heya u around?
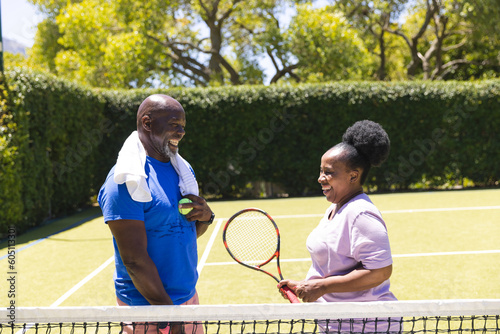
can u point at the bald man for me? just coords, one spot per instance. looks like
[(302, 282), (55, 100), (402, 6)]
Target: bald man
[(155, 246)]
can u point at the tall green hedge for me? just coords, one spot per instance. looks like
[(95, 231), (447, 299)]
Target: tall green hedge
[(441, 132), (52, 148), (59, 140), (11, 204)]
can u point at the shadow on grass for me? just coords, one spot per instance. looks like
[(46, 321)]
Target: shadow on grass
[(51, 228)]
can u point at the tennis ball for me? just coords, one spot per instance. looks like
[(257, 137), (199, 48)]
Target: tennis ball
[(185, 211)]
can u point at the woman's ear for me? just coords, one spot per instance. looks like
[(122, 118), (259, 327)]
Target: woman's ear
[(354, 174)]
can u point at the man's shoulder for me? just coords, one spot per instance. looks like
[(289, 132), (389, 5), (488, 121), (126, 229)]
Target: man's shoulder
[(109, 178), (109, 188)]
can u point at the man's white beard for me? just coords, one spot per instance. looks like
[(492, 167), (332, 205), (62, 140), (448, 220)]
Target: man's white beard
[(168, 152)]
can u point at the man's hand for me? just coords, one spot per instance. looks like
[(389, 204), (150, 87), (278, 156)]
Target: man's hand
[(201, 211)]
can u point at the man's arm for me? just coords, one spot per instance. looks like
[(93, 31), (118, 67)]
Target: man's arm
[(130, 236)]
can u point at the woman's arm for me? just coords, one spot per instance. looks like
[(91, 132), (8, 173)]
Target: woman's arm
[(357, 280)]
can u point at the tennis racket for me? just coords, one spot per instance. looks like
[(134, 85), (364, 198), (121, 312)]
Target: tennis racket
[(252, 239)]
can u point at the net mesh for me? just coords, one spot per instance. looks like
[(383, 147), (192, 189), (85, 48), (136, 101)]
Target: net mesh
[(252, 238), (450, 316)]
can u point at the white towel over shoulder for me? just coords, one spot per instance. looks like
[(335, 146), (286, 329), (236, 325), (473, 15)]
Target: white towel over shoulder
[(187, 180), (129, 169)]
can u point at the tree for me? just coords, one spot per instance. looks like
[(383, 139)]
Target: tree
[(130, 43), (45, 49), (437, 33), (373, 18), (11, 59), (19, 60), (479, 57), (272, 40), (326, 47), (414, 37)]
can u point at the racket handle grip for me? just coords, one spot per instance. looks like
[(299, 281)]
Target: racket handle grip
[(292, 297)]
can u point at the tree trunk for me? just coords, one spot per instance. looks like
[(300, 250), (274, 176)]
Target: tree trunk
[(381, 73)]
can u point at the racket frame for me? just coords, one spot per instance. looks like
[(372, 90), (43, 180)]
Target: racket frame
[(276, 255)]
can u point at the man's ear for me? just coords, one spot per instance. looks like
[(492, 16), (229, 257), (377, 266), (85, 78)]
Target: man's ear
[(146, 122)]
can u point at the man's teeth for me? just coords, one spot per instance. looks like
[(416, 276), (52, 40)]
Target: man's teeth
[(174, 142)]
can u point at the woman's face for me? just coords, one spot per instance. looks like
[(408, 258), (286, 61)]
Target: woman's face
[(338, 182)]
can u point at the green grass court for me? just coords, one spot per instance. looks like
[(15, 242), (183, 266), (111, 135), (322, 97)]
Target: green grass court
[(446, 245)]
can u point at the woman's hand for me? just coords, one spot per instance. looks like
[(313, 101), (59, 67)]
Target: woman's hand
[(308, 291)]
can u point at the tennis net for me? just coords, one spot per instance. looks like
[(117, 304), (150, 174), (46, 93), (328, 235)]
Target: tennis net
[(434, 316)]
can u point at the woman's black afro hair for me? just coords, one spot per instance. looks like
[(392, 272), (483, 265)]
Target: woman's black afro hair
[(370, 140)]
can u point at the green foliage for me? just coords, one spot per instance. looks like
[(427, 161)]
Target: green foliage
[(45, 49), (133, 44), (326, 47), (11, 204), (49, 154), (14, 60), (137, 44), (59, 140), (460, 41), (372, 18)]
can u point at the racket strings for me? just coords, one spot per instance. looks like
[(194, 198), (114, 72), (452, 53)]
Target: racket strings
[(252, 238)]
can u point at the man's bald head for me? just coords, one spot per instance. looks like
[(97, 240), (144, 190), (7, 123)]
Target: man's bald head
[(156, 103)]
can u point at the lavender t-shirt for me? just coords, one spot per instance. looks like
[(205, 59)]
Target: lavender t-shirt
[(356, 234)]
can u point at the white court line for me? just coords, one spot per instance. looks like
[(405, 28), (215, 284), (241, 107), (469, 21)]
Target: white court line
[(494, 251), (208, 248), (465, 208), (82, 282)]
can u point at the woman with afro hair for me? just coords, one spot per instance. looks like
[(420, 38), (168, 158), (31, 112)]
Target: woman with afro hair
[(350, 251)]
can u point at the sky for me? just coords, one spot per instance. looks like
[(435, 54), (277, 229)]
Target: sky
[(19, 20)]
